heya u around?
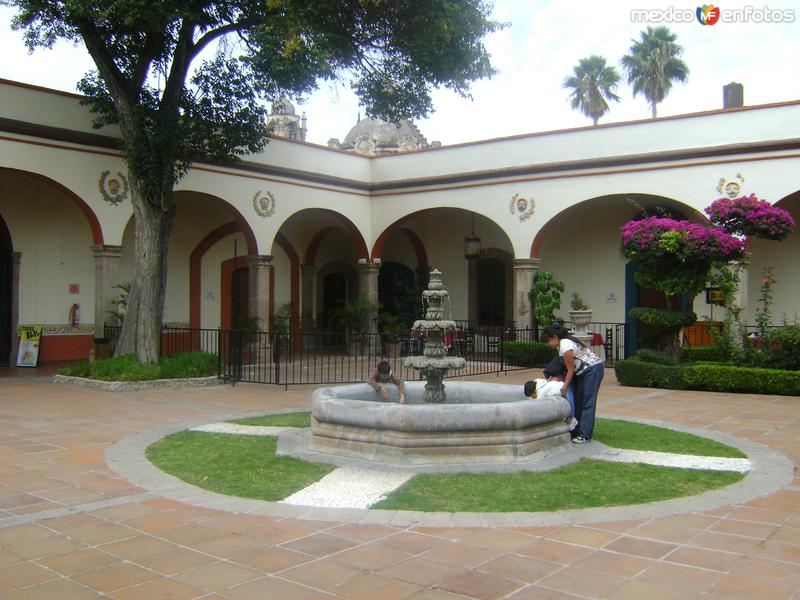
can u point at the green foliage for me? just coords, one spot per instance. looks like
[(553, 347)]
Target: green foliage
[(711, 377), (638, 436), (763, 312), (653, 63), (702, 354), (188, 364), (294, 419), (638, 373), (724, 378), (592, 83), (527, 354), (658, 357), (662, 319), (585, 484), (237, 465), (353, 316), (545, 295), (781, 348), (127, 368)]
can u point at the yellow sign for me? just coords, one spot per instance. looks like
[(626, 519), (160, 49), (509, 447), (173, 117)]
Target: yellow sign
[(29, 338)]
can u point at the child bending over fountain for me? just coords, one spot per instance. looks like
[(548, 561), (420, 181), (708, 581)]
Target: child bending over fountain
[(381, 375)]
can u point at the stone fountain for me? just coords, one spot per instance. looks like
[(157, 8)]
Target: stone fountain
[(434, 362), (474, 423)]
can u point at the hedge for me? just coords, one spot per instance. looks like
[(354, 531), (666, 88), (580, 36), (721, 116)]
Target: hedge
[(710, 377), (527, 354), (127, 368), (724, 378), (638, 373)]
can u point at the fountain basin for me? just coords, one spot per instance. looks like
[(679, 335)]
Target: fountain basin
[(478, 423)]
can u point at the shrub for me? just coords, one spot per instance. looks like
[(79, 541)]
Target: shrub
[(189, 364), (780, 349), (127, 368), (661, 319), (724, 378), (710, 377), (527, 354), (703, 354), (638, 373), (655, 356)]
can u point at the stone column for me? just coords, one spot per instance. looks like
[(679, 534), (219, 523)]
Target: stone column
[(524, 270), (307, 274), (368, 289), (258, 300), (16, 259), (106, 263), (472, 291)]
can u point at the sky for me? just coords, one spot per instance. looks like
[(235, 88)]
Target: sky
[(533, 55)]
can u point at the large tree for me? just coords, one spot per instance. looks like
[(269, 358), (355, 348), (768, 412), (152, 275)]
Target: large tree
[(653, 63), (186, 79), (593, 83)]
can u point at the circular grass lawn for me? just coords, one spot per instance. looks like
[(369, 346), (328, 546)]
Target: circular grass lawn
[(247, 466)]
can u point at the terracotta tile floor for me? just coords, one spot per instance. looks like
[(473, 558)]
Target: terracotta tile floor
[(125, 542)]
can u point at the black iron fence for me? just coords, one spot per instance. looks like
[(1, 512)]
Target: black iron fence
[(321, 357)]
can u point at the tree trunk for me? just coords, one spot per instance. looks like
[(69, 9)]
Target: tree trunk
[(653, 106), (141, 330)]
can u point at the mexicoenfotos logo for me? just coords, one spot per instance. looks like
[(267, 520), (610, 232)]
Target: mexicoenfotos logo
[(708, 14)]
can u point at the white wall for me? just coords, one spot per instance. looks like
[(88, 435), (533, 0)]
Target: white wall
[(55, 241)]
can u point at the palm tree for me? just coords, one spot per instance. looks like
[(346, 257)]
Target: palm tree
[(653, 64), (592, 84)]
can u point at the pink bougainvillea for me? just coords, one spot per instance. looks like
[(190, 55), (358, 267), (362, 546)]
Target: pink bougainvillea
[(683, 240), (676, 257), (747, 215)]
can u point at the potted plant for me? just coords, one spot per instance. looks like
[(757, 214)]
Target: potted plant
[(580, 315), (392, 328), (353, 318)]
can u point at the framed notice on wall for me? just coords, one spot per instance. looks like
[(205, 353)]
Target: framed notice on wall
[(29, 338)]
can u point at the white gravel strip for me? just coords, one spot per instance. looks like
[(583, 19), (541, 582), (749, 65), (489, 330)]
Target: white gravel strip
[(348, 487), (683, 461), (237, 429)]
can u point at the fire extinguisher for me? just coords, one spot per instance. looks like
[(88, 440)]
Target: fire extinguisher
[(75, 315)]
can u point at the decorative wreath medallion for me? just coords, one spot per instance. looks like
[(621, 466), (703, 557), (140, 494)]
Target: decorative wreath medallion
[(264, 205), (114, 190), (522, 207), (732, 188)]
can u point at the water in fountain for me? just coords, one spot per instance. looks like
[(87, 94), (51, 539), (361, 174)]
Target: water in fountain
[(434, 362)]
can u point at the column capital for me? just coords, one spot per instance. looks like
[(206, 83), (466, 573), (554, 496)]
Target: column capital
[(367, 267), (308, 268), (527, 263), (105, 250), (259, 260)]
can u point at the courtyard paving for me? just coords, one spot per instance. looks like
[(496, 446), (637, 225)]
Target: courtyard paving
[(73, 526)]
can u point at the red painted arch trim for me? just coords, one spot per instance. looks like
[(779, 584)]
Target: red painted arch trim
[(313, 245), (419, 248), (244, 225), (195, 269), (361, 245), (91, 218), (377, 248)]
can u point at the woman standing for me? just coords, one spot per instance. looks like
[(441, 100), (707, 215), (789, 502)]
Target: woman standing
[(584, 374)]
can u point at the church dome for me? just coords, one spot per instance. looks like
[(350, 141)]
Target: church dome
[(282, 106), (375, 136)]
